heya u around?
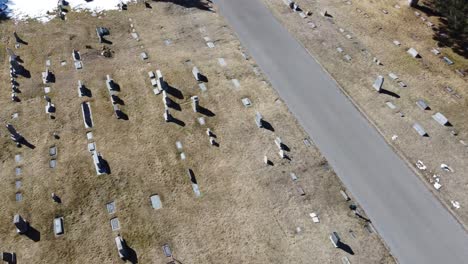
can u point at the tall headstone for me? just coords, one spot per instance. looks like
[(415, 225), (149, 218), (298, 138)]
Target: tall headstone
[(259, 120), (195, 103), (21, 225)]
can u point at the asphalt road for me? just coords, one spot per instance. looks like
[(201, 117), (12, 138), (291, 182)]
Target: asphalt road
[(412, 222)]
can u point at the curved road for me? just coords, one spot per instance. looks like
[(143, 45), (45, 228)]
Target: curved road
[(412, 222)]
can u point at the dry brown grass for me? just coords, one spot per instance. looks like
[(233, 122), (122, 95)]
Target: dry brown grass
[(247, 213)]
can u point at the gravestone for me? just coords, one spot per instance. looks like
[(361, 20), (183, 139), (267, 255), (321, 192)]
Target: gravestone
[(143, 56), (419, 129), (246, 102), (115, 224), (259, 120), (335, 239), (22, 226), (413, 53), (279, 143), (58, 226), (441, 119), (156, 201), (378, 83), (110, 207), (422, 104), (393, 76), (195, 103), (196, 73), (121, 247), (167, 250)]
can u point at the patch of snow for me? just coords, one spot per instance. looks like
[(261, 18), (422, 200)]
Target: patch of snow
[(42, 9)]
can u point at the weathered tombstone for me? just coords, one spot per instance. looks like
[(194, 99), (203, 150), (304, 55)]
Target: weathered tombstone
[(435, 51), (121, 247), (378, 83), (282, 154), (91, 147), (259, 120), (345, 195), (196, 73), (279, 143), (222, 62), (99, 166), (236, 83), (156, 201), (179, 145), (413, 53), (339, 49), (167, 115), (87, 114), (167, 250), (266, 160), (151, 75), (246, 102), (441, 119), (115, 224), (110, 207), (18, 196), (393, 76), (52, 163), (53, 151), (422, 104), (300, 191), (447, 60), (202, 87), (46, 76), (201, 120), (195, 103), (76, 55), (396, 42), (390, 105), (209, 132), (335, 239), (22, 226), (419, 129), (58, 226), (144, 56), (347, 57), (293, 176), (111, 85)]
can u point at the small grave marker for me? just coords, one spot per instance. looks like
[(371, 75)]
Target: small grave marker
[(202, 87), (413, 53), (110, 207), (422, 104), (236, 83), (419, 129), (440, 118), (201, 120), (222, 62), (246, 102), (115, 224), (18, 196), (156, 201)]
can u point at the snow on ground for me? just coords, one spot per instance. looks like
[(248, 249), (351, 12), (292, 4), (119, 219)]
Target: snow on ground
[(38, 9)]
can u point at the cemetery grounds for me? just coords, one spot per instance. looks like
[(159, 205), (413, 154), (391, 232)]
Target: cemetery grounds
[(369, 32), (247, 212)]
